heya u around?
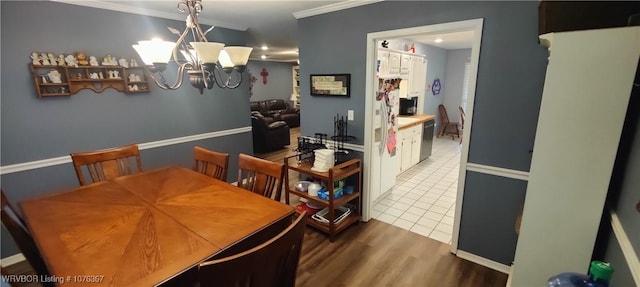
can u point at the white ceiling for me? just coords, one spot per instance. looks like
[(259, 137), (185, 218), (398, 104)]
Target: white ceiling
[(268, 22), (450, 41)]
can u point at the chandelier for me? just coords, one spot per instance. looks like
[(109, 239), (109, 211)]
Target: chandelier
[(207, 63)]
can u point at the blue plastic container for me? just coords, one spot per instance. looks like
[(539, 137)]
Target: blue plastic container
[(599, 276)]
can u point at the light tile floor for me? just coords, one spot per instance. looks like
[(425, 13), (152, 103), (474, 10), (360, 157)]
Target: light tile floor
[(423, 200)]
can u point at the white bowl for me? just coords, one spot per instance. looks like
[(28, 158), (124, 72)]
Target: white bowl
[(313, 188)]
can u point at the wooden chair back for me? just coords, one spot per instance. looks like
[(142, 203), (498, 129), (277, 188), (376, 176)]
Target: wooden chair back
[(270, 264), (107, 164), (444, 118), (446, 126), (210, 163), (22, 237), (260, 176)]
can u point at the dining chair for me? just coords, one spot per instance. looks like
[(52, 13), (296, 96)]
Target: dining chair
[(462, 115), (107, 164), (270, 264), (21, 236), (445, 125), (210, 163), (260, 176)]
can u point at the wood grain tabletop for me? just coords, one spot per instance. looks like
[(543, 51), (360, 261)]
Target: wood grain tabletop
[(142, 229)]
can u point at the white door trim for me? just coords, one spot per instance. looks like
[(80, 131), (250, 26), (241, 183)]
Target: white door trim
[(474, 25)]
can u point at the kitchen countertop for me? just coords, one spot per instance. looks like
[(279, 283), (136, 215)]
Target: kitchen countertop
[(409, 121)]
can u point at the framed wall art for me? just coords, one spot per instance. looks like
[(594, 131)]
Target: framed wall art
[(331, 85)]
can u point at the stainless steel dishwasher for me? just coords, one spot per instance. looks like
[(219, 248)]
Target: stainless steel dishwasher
[(427, 139)]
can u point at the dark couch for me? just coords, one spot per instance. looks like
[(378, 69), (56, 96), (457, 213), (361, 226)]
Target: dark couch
[(278, 110), (268, 135)]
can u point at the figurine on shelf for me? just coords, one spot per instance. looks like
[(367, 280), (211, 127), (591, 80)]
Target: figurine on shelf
[(61, 61), (134, 63), (123, 62), (116, 74), (44, 59), (54, 76), (132, 77), (35, 59), (93, 61), (52, 59), (94, 76), (109, 61), (82, 59), (71, 61)]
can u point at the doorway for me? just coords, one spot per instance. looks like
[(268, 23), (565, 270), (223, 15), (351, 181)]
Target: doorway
[(372, 50)]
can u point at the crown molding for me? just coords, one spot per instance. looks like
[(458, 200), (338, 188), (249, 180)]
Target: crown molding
[(333, 7), (148, 12)]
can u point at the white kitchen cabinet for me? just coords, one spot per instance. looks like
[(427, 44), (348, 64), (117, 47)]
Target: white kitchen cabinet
[(417, 80), (383, 63), (405, 64), (410, 141), (589, 73), (394, 64), (416, 141)]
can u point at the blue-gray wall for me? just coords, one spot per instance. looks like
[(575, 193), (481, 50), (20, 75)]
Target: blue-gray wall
[(36, 129), (508, 92), (279, 81), (453, 82), (436, 69)]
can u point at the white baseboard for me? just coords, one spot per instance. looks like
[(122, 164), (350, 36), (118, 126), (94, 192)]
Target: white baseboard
[(8, 261), (483, 261)]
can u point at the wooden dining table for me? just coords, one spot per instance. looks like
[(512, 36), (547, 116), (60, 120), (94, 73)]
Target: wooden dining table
[(146, 228)]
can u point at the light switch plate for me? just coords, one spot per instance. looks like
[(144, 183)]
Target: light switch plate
[(350, 115)]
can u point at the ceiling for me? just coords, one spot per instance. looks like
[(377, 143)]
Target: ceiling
[(450, 41), (268, 22)]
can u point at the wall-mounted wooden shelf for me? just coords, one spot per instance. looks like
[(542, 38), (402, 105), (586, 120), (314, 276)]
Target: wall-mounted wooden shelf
[(95, 78)]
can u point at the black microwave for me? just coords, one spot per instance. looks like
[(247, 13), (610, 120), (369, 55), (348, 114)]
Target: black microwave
[(408, 106)]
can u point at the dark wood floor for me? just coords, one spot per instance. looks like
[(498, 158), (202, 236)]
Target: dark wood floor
[(376, 254), (372, 254)]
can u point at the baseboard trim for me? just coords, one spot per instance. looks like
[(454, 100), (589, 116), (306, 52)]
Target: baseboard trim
[(625, 245), (498, 171), (13, 259), (483, 261), (148, 145)]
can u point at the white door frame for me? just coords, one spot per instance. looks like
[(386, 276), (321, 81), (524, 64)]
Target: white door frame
[(474, 25)]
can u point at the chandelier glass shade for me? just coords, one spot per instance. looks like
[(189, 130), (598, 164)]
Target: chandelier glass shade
[(208, 64)]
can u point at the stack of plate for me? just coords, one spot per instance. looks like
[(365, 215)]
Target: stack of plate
[(340, 214), (323, 160)]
